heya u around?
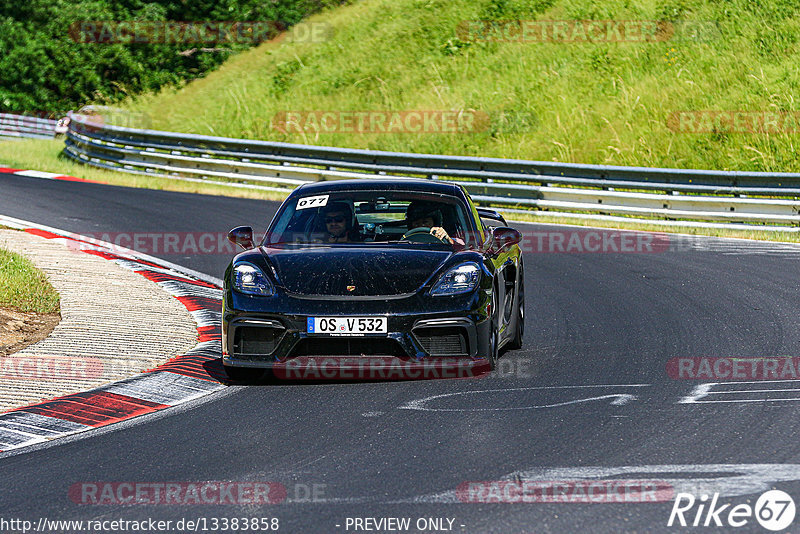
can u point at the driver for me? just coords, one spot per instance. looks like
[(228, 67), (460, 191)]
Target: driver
[(338, 219), (423, 214)]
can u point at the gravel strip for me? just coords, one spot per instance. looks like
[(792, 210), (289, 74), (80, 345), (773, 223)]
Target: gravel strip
[(114, 324)]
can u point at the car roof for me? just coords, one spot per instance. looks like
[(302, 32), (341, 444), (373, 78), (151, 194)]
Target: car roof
[(382, 184)]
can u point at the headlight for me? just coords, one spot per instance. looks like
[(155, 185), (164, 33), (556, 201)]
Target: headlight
[(249, 279), (460, 279)]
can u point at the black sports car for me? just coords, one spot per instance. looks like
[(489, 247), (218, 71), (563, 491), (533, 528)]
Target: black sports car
[(375, 279)]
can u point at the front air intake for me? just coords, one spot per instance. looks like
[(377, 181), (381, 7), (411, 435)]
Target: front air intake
[(256, 340), (443, 341)]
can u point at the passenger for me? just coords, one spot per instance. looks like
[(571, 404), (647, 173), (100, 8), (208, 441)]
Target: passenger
[(340, 226)]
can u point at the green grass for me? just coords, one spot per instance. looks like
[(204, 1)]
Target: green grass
[(605, 103), (23, 287)]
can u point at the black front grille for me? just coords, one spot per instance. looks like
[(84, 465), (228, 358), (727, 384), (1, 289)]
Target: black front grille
[(347, 346), (443, 341), (256, 340)]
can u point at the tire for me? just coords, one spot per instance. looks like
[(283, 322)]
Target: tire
[(494, 335), (519, 328), (246, 375)]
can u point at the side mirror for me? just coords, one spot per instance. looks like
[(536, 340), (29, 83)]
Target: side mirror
[(242, 236), (503, 238)]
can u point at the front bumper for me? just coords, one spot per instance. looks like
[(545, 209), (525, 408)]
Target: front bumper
[(428, 337)]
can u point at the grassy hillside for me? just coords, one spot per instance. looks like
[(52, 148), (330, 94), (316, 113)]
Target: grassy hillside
[(605, 102)]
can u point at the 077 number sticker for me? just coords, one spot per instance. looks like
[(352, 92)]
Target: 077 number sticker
[(312, 202)]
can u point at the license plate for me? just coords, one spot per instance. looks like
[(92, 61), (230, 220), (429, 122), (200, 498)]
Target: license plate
[(346, 326)]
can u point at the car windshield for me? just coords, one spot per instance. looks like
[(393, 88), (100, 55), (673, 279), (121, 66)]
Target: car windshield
[(373, 217)]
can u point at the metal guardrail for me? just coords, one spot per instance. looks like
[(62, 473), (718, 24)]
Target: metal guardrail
[(677, 194), (24, 126)]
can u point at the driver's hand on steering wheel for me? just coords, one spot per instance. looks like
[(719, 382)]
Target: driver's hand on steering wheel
[(441, 233)]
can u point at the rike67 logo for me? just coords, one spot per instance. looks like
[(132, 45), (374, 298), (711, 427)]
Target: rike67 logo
[(774, 510)]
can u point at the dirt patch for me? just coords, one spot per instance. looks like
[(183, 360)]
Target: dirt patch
[(20, 329)]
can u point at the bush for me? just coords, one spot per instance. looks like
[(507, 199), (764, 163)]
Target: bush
[(43, 69)]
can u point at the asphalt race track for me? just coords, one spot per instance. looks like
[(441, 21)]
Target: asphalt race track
[(589, 397)]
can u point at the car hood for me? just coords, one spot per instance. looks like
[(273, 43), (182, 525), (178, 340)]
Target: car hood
[(357, 271)]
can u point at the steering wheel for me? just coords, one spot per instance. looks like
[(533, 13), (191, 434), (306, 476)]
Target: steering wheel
[(421, 234)]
